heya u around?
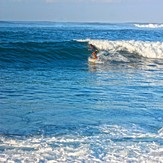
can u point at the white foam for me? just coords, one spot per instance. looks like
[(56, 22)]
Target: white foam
[(161, 132), (82, 40), (142, 48), (149, 25), (113, 144)]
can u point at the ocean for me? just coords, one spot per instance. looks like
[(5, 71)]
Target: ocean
[(55, 106)]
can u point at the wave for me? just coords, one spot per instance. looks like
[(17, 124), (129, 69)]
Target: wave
[(42, 52), (149, 25), (146, 49), (34, 53)]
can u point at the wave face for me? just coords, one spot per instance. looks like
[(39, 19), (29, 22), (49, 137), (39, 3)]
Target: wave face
[(42, 52)]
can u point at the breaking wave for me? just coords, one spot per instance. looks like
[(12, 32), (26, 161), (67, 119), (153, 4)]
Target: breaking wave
[(149, 25), (138, 48)]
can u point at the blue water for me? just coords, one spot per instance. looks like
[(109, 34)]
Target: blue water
[(55, 106)]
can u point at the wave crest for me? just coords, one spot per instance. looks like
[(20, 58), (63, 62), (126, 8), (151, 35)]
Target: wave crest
[(149, 25), (140, 48)]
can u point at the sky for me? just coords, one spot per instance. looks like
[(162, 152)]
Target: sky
[(144, 11)]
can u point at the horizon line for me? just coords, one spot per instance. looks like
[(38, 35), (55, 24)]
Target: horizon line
[(91, 22)]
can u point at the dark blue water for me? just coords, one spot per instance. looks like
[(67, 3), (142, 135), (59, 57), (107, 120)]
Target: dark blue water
[(55, 106)]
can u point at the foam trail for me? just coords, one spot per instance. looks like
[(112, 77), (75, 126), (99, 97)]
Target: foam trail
[(142, 48), (111, 145), (149, 25)]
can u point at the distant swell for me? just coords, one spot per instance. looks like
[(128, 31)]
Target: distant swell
[(140, 48)]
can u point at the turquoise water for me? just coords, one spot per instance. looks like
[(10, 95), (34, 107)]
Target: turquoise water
[(55, 106)]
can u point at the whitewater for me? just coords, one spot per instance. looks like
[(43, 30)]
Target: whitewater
[(141, 48), (55, 106)]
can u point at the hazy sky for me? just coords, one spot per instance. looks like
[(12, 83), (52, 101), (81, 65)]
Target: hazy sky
[(83, 10)]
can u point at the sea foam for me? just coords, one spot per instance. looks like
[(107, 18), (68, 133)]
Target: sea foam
[(141, 48), (113, 144), (149, 25)]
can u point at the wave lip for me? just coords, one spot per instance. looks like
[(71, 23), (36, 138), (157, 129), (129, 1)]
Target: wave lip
[(149, 25), (140, 48)]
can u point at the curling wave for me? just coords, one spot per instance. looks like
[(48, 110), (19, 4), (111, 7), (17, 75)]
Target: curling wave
[(139, 48)]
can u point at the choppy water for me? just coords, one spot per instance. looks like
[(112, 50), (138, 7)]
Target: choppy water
[(55, 106)]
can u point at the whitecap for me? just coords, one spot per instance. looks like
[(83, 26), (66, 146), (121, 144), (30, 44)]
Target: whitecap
[(149, 25), (138, 48)]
